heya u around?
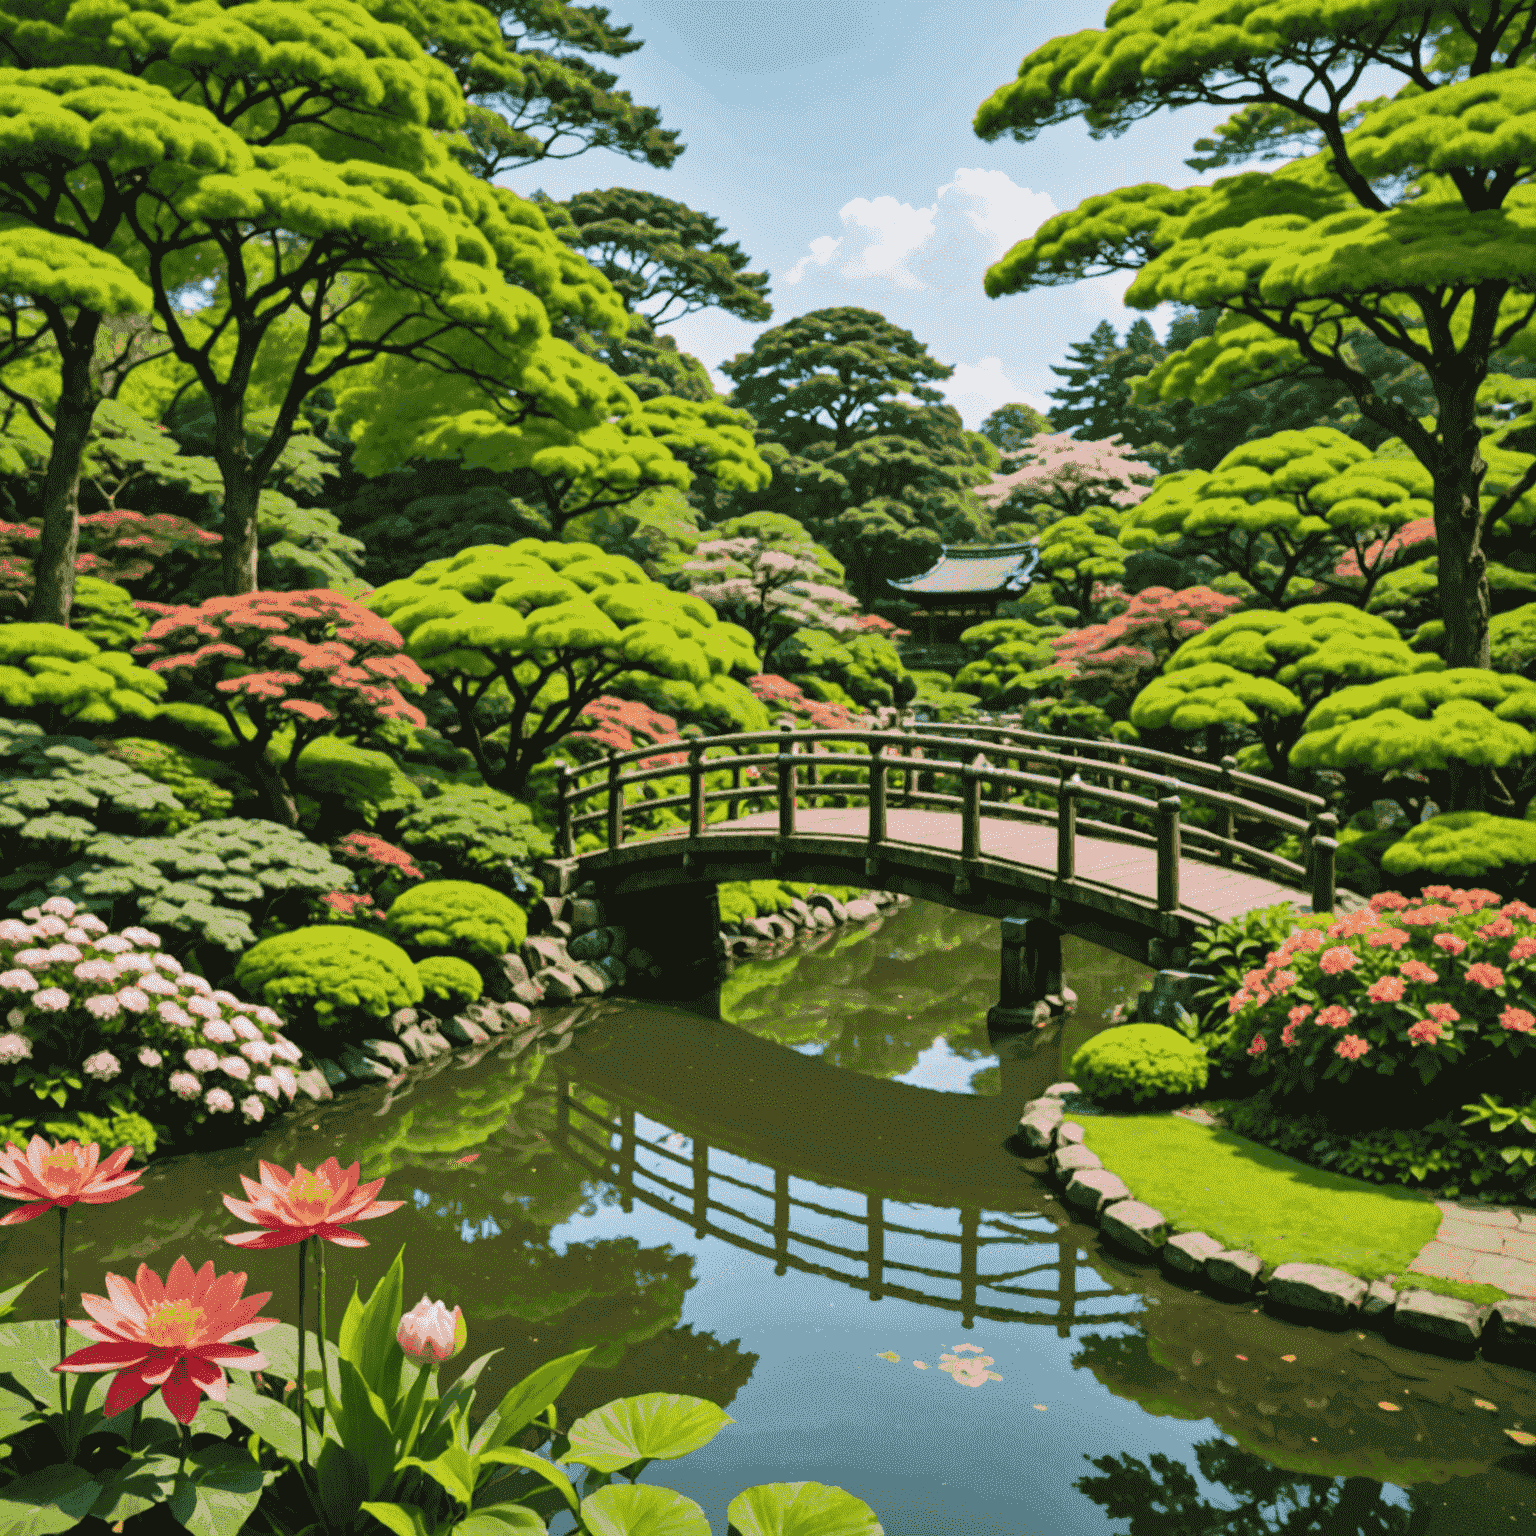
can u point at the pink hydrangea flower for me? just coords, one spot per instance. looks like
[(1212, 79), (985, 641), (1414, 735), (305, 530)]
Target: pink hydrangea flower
[(1519, 909), (258, 1051), (49, 927), (285, 1050), (1442, 1013), (1299, 1014), (1337, 960), (218, 1032), (1499, 928), (34, 959), (1334, 1016), (220, 1102), (236, 1067), (203, 1007), (91, 925), (51, 1000), (135, 999), (252, 1108), (76, 935), (18, 981), (1258, 1047), (227, 998), (1352, 1047), (199, 984), (1427, 917), (1388, 938), (1426, 1032), (266, 1085), (131, 960), (112, 944), (285, 1079), (201, 1059), (1389, 989), (1281, 981), (158, 986), (1388, 901), (14, 931), (169, 964), (1520, 1020), (1523, 948), (1308, 939), (142, 936), (104, 971), (1416, 970), (149, 1056), (184, 1085), (103, 1006), (59, 906), (103, 1066), (1450, 943), (269, 1017), (1288, 1034), (14, 1048), (245, 1029), (1484, 975), (174, 1013), (64, 954)]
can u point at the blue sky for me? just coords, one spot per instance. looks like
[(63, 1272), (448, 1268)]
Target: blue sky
[(833, 140)]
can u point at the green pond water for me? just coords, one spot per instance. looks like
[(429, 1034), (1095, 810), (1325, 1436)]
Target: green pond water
[(764, 1207)]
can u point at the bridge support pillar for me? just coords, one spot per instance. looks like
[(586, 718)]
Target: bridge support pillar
[(680, 928), (1031, 991), (1171, 993)]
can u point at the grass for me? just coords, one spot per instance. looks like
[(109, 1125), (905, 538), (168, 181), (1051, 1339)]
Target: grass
[(1207, 1179)]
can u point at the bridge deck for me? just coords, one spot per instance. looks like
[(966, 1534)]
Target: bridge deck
[(1207, 890)]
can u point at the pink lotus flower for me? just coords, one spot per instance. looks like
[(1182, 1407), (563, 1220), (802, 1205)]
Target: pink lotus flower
[(174, 1335), (1337, 960), (1352, 1047), (1484, 975), (60, 1174), (1520, 1020), (1389, 989), (1442, 1012), (1258, 1047), (1335, 1016), (430, 1334), (289, 1207), (1416, 970), (1426, 1032)]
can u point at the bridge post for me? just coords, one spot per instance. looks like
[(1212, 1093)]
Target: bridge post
[(696, 790), (565, 847), (1169, 848), (786, 766), (1227, 821), (1031, 991), (615, 803), (1323, 850), (680, 929), (877, 813)]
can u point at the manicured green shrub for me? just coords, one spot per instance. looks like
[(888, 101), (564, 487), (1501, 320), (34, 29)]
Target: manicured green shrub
[(349, 783), (195, 781), (472, 833), (104, 1031), (333, 975), (457, 915), (56, 677), (1139, 1062), (736, 906), (448, 982), (105, 614), (215, 885), (1466, 845)]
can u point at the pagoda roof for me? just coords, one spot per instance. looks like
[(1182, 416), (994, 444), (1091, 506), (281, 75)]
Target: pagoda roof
[(973, 571)]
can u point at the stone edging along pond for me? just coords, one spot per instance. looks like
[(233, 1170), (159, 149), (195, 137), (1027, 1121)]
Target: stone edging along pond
[(1311, 1293)]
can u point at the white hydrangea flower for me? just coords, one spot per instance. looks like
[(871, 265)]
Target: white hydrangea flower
[(34, 959), (284, 1078), (60, 906), (48, 926), (199, 984), (103, 1006), (258, 1051), (236, 1067), (76, 935), (103, 1066), (169, 964), (134, 999), (185, 1086), (64, 954), (266, 1085), (268, 1016), (201, 1059), (97, 970), (132, 961), (285, 1050), (218, 1101), (158, 986), (203, 1007), (88, 922), (111, 944), (13, 931), (18, 981), (142, 936), (228, 999), (149, 1056), (218, 1032), (14, 1048), (174, 1013), (245, 1029), (252, 1108), (51, 1000)]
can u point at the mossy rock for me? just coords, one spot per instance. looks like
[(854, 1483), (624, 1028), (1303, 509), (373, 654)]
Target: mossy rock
[(1139, 1062)]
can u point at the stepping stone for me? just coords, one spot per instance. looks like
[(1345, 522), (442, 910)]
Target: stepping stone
[(1066, 1160), (1440, 1317), (313, 1083), (1317, 1288), (1062, 1090), (1134, 1225), (1186, 1253), (1069, 1133), (1092, 1189), (1037, 1125), (1379, 1301), (1510, 1332), (388, 1052), (462, 1031), (363, 1067), (1234, 1269)]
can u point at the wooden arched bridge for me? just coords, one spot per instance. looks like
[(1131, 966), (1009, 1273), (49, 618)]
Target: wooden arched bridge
[(1132, 849)]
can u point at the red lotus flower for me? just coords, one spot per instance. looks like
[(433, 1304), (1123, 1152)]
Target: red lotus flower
[(174, 1335), (62, 1173), (289, 1207)]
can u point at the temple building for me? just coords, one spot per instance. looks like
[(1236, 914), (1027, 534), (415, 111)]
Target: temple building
[(962, 588)]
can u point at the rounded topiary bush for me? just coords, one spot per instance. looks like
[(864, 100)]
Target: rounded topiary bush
[(330, 973), (459, 916), (1139, 1062), (449, 982)]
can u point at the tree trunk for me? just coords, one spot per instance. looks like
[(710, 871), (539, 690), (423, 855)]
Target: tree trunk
[(242, 495), (54, 591), (281, 806)]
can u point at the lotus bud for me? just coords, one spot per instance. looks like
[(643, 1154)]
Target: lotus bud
[(430, 1334)]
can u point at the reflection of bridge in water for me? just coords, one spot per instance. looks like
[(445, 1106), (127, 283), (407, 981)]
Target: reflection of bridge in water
[(641, 1074)]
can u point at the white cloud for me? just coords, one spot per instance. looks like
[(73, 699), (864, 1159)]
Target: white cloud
[(944, 247), (1103, 298), (978, 389)]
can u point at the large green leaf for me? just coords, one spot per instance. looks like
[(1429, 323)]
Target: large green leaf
[(800, 1509), (365, 1430), (657, 1426), (527, 1400), (501, 1520), (218, 1492), (28, 1353), (343, 1483), (16, 1413), (453, 1472), (642, 1510), (52, 1499), (401, 1519), (135, 1486), (367, 1333), (511, 1456), (8, 1298), (276, 1424)]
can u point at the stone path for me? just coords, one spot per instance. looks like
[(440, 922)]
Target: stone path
[(1483, 1245)]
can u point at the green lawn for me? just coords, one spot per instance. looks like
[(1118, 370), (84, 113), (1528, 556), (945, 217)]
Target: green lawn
[(1206, 1179)]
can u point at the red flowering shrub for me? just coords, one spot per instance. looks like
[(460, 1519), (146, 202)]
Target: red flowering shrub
[(622, 725), (1427, 983), (254, 679), (382, 869), (810, 714), (142, 551), (350, 907)]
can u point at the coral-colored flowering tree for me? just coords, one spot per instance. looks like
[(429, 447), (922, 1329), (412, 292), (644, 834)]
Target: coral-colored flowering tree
[(256, 678), (147, 552), (1443, 980)]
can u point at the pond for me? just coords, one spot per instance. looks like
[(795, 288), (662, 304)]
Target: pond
[(803, 1211)]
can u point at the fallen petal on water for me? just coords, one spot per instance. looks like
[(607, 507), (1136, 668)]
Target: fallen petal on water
[(1040, 1406), (1482, 1402), (967, 1349), (1242, 1357), (1287, 1358), (921, 1365), (887, 1354), (1390, 1407), (1520, 1437)]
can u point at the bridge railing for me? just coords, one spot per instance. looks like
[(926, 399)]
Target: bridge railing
[(1137, 788), (703, 1195)]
